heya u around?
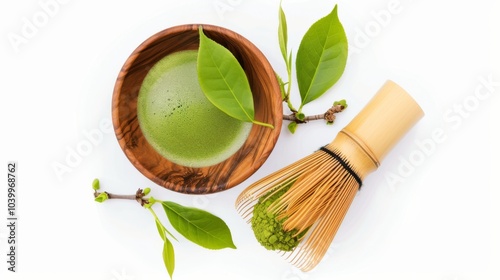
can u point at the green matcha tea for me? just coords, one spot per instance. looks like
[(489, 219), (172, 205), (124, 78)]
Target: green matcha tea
[(179, 121)]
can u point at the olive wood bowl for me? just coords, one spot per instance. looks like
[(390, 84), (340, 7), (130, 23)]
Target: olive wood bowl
[(203, 180)]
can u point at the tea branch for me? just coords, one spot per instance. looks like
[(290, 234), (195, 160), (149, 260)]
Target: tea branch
[(139, 196), (103, 196), (328, 116), (316, 70)]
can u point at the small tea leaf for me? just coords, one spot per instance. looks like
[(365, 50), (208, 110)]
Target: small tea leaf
[(161, 230), (283, 33), (169, 257), (292, 127), (321, 58), (282, 86), (199, 226)]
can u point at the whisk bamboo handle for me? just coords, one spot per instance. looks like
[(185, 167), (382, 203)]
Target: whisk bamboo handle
[(386, 118)]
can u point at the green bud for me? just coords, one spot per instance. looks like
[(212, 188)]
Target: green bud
[(95, 184), (151, 201), (292, 126), (101, 197), (301, 116), (146, 191), (342, 103)]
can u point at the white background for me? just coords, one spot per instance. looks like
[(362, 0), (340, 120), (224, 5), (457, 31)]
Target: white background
[(440, 221)]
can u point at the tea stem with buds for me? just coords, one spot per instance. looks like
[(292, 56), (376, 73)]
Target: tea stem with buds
[(328, 116), (138, 196)]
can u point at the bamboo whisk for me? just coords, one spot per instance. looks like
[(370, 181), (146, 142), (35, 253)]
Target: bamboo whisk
[(324, 184)]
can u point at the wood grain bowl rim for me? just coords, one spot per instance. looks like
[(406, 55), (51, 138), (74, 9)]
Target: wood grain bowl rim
[(241, 173)]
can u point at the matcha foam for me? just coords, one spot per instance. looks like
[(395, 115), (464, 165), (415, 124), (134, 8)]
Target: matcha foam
[(179, 121)]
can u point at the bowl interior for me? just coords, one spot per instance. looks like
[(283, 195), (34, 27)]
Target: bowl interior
[(235, 169)]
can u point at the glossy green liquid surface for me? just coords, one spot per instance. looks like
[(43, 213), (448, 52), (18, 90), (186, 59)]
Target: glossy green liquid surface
[(179, 121)]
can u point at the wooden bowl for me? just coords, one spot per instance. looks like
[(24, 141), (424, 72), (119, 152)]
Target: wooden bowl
[(228, 173)]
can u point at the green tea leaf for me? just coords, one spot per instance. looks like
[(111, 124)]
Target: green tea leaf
[(321, 58), (282, 86), (169, 257), (283, 33), (292, 127), (199, 226), (223, 80), (161, 230)]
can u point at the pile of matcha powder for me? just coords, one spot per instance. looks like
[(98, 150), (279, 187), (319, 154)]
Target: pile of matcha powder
[(268, 229)]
